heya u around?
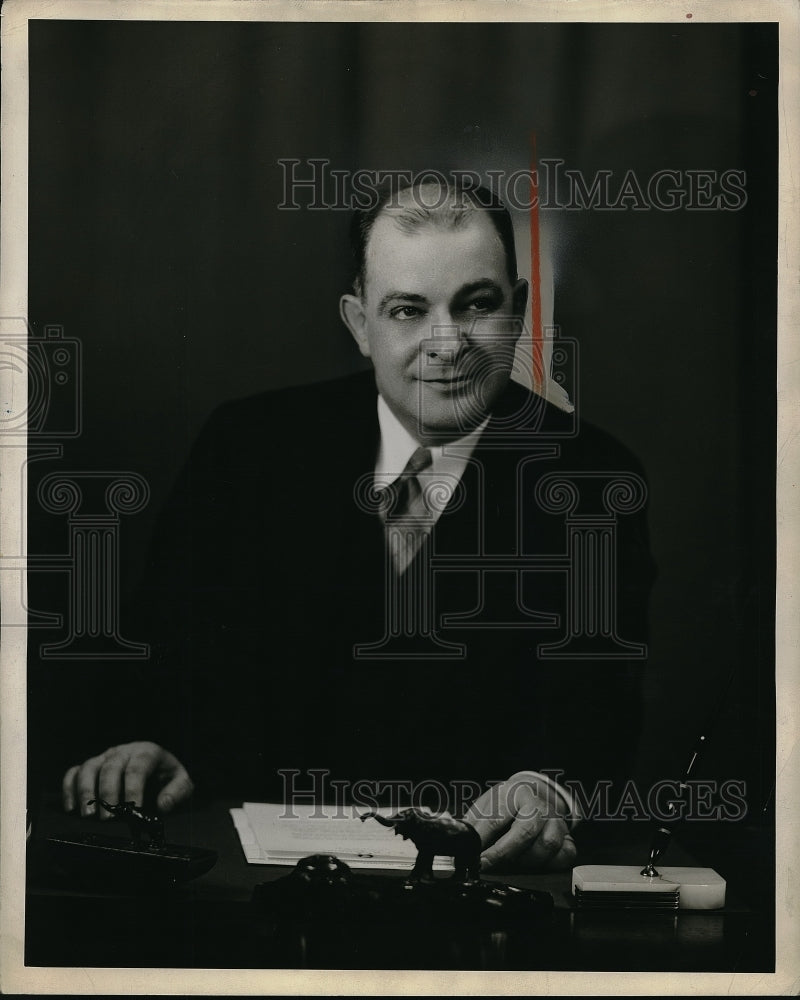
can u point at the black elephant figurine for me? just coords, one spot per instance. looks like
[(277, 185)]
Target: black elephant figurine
[(436, 835)]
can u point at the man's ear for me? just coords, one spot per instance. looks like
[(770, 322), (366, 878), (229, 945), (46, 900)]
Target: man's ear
[(351, 309), (519, 297)]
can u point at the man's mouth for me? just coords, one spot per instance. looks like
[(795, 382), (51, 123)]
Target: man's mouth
[(448, 380)]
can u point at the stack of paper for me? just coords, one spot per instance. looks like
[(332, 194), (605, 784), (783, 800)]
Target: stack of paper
[(281, 835)]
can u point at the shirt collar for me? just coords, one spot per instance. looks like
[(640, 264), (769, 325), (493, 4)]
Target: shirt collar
[(397, 446)]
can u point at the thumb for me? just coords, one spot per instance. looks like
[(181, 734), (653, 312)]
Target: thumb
[(179, 788)]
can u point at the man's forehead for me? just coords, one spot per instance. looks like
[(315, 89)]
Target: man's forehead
[(471, 242)]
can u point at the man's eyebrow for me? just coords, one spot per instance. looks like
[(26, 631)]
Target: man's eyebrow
[(480, 285), (405, 296)]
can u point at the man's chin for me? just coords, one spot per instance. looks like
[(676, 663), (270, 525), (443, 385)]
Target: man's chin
[(454, 423), (451, 412)]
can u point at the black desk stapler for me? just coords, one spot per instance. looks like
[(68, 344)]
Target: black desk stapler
[(144, 859)]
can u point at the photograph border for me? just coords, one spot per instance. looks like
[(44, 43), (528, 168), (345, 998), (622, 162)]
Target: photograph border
[(14, 976)]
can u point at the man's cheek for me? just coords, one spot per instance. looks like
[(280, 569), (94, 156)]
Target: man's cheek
[(486, 367)]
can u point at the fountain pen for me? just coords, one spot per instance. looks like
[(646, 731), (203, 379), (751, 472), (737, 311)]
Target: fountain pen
[(664, 830)]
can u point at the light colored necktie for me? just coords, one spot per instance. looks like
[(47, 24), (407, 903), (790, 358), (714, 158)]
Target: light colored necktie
[(406, 516)]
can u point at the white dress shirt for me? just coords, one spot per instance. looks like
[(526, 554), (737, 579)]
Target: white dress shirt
[(448, 461)]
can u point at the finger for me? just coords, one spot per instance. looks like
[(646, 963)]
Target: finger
[(109, 781), (68, 789), (86, 784), (140, 765), (489, 814), (178, 789), (548, 844), (565, 858), (539, 851), (517, 839), (535, 860)]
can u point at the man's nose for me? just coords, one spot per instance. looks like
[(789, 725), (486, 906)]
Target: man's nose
[(446, 341)]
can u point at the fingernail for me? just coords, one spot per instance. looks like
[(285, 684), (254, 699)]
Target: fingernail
[(166, 802)]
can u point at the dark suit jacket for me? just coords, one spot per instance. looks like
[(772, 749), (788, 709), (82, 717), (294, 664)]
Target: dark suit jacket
[(266, 572)]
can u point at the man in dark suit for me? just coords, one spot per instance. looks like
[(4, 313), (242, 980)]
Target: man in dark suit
[(375, 579)]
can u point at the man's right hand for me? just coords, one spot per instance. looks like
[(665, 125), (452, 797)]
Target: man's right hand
[(120, 774)]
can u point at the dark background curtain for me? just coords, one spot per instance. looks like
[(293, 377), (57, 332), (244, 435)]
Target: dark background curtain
[(155, 239)]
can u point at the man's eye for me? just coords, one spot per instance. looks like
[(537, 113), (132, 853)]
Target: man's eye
[(406, 312), (483, 304)]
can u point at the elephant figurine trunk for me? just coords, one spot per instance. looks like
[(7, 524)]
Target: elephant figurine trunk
[(436, 835), (383, 820)]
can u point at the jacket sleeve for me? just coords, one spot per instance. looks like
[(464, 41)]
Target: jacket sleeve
[(186, 571)]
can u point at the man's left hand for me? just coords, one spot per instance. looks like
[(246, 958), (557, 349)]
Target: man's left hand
[(521, 825)]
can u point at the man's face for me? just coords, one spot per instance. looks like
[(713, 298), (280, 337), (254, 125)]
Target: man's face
[(439, 318)]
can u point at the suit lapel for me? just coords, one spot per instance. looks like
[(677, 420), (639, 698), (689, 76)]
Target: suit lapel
[(482, 516)]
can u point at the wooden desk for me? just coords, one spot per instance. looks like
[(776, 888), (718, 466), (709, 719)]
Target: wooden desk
[(210, 923)]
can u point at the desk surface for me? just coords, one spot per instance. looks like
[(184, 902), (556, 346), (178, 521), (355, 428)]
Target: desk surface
[(211, 923)]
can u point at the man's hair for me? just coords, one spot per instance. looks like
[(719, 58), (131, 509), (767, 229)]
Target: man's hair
[(411, 207)]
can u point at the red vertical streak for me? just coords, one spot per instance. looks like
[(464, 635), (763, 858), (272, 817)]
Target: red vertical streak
[(536, 291)]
